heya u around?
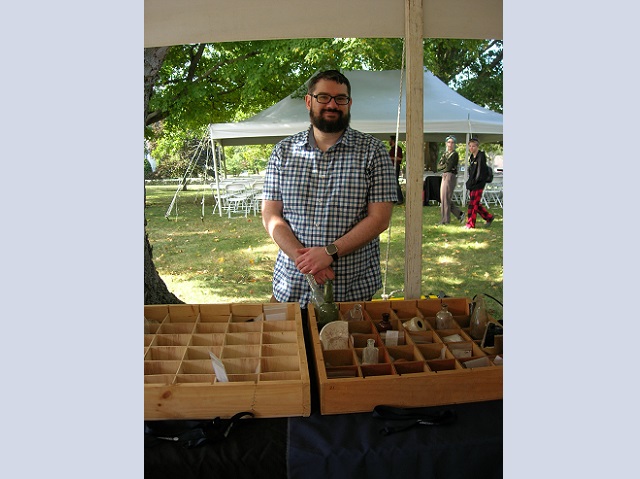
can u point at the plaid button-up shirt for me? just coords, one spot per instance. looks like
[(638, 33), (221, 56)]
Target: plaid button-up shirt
[(324, 195)]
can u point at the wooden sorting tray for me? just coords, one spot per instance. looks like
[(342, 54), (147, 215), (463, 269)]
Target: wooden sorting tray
[(423, 369), (260, 345)]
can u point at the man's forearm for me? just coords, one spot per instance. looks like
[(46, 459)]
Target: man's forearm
[(279, 229), (366, 230)]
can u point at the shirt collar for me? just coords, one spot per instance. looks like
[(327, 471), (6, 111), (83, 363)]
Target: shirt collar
[(344, 138)]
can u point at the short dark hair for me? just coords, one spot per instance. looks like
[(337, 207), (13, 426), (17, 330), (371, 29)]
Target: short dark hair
[(475, 140), (333, 75)]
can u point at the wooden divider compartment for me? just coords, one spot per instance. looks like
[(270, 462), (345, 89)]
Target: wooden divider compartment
[(423, 370), (261, 347)]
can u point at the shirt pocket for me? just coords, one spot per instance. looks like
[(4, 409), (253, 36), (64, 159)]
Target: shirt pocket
[(348, 193)]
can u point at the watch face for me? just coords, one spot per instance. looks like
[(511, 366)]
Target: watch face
[(331, 249)]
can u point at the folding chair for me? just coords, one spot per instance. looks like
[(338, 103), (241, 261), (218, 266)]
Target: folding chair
[(237, 199)]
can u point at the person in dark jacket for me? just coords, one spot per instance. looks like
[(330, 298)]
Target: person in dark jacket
[(448, 166), (478, 175)]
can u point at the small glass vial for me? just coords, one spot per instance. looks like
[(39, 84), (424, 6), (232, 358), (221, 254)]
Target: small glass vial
[(444, 318), (370, 353), (355, 313), (385, 324)]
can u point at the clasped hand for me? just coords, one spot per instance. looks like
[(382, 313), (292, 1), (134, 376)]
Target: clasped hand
[(315, 261)]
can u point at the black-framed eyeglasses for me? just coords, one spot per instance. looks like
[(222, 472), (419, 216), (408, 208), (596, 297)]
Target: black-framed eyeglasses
[(339, 99)]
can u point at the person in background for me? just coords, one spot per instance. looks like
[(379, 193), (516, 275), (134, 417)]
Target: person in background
[(328, 194), (475, 184), (448, 166), (395, 153)]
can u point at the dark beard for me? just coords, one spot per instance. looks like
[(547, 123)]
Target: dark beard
[(330, 126)]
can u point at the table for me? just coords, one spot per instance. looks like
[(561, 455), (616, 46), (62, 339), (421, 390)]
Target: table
[(431, 189), (341, 446)]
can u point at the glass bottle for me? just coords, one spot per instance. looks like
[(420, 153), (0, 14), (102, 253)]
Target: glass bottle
[(317, 294), (370, 353), (385, 324), (355, 313), (479, 318), (444, 318), (327, 311)]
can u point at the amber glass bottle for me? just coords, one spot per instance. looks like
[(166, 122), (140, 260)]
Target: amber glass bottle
[(479, 318), (385, 324)]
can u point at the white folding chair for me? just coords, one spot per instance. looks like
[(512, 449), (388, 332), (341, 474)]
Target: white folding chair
[(492, 194), (256, 196), (219, 194), (237, 199), (498, 182), (456, 197)]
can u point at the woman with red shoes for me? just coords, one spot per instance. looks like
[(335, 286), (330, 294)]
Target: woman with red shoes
[(478, 176)]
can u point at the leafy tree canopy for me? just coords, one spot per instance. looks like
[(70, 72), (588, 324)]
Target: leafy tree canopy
[(200, 84)]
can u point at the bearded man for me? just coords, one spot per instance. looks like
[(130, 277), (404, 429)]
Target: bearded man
[(329, 192)]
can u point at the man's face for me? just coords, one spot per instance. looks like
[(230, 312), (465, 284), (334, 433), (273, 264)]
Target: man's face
[(473, 147), (329, 117)]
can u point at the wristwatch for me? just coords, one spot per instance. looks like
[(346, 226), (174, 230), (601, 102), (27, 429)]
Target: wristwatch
[(332, 250)]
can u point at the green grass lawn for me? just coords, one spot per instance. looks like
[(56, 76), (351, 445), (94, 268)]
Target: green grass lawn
[(212, 259)]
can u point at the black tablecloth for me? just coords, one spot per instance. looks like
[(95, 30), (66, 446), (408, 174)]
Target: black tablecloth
[(342, 446), (254, 448), (431, 189), (351, 446)]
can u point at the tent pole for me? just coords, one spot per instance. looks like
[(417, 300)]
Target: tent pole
[(216, 176), (466, 171), (465, 163), (414, 28)]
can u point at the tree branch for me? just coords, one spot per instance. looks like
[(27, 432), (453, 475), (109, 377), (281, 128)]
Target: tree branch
[(195, 59)]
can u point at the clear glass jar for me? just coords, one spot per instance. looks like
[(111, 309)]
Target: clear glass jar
[(370, 353), (444, 318), (355, 313)]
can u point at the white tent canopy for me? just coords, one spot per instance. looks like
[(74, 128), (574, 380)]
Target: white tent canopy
[(168, 22), (374, 111)]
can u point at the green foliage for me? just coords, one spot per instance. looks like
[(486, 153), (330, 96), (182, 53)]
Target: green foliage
[(209, 83), (148, 172), (491, 149), (481, 79), (174, 150), (250, 158), (173, 166), (219, 82)]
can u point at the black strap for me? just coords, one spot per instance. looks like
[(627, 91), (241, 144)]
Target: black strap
[(412, 417), (190, 434)]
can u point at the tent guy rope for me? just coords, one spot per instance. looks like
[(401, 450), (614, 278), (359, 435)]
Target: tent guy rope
[(384, 294), (189, 169)]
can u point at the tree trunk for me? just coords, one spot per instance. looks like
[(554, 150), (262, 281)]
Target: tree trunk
[(155, 289)]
